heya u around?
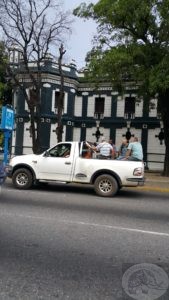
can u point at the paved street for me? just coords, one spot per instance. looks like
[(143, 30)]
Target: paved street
[(64, 242)]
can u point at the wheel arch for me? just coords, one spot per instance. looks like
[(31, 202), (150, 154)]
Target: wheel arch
[(106, 171), (25, 166)]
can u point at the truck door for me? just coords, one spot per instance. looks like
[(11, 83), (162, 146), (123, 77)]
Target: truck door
[(56, 163)]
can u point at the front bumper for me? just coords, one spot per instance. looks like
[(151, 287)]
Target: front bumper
[(138, 181)]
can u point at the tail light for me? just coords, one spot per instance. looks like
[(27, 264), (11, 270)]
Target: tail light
[(138, 172)]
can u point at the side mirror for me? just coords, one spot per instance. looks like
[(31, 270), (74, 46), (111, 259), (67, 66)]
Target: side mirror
[(46, 153)]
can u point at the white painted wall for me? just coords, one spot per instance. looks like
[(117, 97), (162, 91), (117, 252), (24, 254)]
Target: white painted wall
[(139, 109), (27, 140), (65, 103), (76, 134), (15, 97), (53, 100), (91, 106), (13, 142), (107, 105), (89, 134), (154, 149), (153, 111), (53, 136), (78, 106), (120, 106), (122, 131), (90, 137)]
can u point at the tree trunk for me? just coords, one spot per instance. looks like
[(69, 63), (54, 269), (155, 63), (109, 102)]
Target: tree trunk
[(166, 137), (164, 109), (61, 95), (35, 131), (60, 111)]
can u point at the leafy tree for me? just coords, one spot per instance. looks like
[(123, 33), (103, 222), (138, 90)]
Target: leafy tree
[(132, 45), (35, 27)]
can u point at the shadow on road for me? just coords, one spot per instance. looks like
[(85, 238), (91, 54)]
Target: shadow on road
[(130, 203)]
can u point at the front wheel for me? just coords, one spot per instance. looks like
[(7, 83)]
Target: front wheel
[(22, 179), (105, 185)]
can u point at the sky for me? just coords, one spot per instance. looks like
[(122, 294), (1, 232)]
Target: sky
[(80, 41)]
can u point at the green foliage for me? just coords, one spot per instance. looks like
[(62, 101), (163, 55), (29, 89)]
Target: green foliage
[(132, 46), (132, 42), (84, 11)]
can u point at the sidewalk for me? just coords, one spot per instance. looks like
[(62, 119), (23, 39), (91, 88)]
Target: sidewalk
[(155, 182)]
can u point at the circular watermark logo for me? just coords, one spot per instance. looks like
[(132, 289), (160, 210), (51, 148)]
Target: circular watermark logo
[(145, 281)]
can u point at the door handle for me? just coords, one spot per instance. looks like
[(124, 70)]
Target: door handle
[(67, 163)]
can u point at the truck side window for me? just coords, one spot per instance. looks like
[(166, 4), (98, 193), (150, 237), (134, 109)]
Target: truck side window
[(86, 152), (61, 150)]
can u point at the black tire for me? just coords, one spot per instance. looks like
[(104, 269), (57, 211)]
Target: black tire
[(22, 179), (106, 185)]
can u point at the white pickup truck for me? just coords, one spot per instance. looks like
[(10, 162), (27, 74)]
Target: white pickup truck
[(66, 162)]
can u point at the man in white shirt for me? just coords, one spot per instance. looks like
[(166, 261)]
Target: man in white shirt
[(104, 148)]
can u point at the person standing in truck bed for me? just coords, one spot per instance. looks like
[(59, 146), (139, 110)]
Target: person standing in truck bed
[(104, 148), (123, 149)]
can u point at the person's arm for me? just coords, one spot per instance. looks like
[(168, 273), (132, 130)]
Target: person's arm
[(91, 147), (66, 154), (119, 150), (128, 153), (112, 153)]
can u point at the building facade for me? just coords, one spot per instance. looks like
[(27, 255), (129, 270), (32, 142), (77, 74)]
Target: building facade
[(88, 114)]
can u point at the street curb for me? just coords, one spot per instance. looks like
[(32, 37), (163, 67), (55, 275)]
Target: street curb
[(156, 183), (148, 187), (153, 189)]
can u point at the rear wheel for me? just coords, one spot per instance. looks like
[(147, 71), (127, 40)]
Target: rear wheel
[(105, 185), (22, 179)]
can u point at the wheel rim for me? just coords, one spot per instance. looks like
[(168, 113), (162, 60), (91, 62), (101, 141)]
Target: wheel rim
[(105, 186), (22, 179)]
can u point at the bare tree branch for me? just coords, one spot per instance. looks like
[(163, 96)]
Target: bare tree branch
[(33, 26)]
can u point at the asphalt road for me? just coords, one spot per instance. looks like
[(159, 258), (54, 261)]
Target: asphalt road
[(64, 242)]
